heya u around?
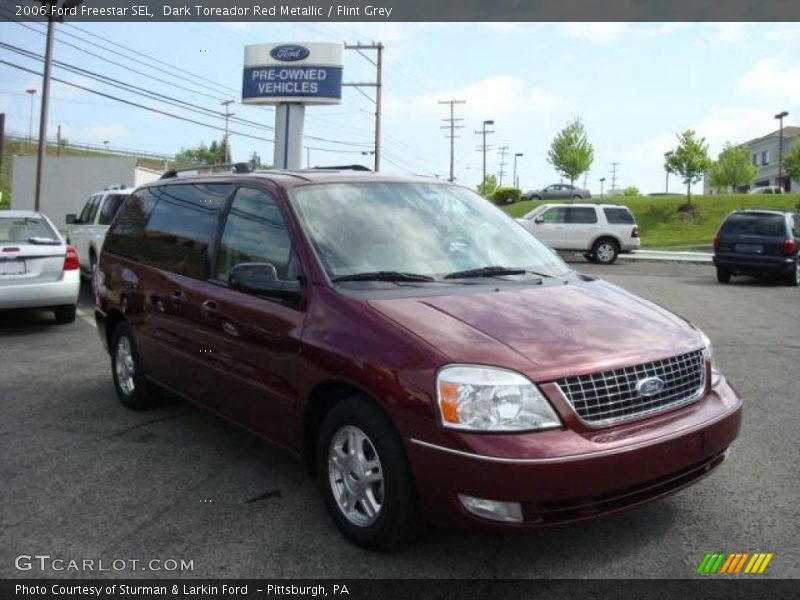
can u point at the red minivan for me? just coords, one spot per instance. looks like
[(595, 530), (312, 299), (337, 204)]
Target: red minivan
[(430, 359)]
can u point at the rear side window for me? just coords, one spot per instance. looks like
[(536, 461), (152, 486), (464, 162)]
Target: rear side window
[(181, 230), (582, 215), (110, 208), (618, 216), (89, 210), (126, 236), (754, 224)]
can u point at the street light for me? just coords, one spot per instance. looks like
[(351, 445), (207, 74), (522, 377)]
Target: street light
[(31, 91), (516, 181), (667, 156), (780, 116), (105, 143), (602, 182)]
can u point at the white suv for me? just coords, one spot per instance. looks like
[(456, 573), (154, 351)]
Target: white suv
[(600, 231), (87, 231)]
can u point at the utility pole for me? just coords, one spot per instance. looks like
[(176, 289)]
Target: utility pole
[(613, 189), (58, 141), (452, 127), (483, 147), (228, 115), (503, 150), (2, 138), (377, 84)]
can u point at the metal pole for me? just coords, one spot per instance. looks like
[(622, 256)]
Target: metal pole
[(30, 117), (226, 104), (2, 137), (514, 179), (452, 138), (48, 59), (780, 152), (378, 94), (58, 142), (484, 154)]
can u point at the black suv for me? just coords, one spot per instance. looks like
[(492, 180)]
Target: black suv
[(760, 243)]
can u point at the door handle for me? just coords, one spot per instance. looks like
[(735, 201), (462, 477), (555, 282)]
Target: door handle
[(209, 308), (178, 298)]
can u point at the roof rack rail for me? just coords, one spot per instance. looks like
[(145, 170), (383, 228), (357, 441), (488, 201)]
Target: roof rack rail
[(239, 167), (343, 168)]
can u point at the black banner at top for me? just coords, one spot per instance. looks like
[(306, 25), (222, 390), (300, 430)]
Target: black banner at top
[(402, 10)]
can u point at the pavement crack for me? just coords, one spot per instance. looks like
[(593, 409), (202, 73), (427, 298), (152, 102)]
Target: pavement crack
[(143, 424), (265, 496)]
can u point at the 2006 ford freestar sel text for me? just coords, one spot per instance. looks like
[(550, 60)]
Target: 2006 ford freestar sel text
[(431, 360)]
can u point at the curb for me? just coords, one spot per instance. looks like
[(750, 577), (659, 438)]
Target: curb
[(701, 258)]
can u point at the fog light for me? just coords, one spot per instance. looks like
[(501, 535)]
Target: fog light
[(508, 512)]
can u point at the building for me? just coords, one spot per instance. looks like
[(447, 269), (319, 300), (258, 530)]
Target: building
[(764, 152), (67, 181)]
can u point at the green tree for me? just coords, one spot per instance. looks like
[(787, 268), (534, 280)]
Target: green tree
[(733, 168), (255, 161), (689, 160), (631, 191), (488, 186), (570, 153), (202, 154), (791, 162)]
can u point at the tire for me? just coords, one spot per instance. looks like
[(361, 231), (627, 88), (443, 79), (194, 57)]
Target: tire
[(793, 278), (382, 514), (65, 314), (133, 388), (723, 275), (536, 197), (605, 251)]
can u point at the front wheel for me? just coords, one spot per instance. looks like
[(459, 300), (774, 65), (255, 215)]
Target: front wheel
[(605, 251), (365, 476), (723, 275)]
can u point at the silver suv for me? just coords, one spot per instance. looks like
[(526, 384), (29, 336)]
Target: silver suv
[(600, 231)]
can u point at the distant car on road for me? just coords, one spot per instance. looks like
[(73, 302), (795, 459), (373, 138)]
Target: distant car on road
[(87, 231), (760, 243), (601, 231), (37, 268), (767, 189), (557, 191)]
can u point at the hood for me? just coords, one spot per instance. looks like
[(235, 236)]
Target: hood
[(548, 332)]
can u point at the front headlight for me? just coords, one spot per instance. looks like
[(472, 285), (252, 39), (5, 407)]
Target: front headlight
[(708, 353), (478, 398)]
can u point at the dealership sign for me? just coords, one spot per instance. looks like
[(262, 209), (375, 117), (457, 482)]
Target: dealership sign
[(280, 73)]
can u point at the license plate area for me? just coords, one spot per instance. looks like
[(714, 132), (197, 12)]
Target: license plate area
[(13, 267), (750, 248)]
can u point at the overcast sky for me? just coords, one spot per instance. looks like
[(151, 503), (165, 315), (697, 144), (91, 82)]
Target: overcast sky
[(634, 85)]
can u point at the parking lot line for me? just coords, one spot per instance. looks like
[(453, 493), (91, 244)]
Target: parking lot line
[(88, 318)]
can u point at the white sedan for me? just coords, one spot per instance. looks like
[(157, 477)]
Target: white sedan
[(37, 268)]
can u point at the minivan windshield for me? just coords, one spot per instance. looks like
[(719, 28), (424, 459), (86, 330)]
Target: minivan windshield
[(416, 230)]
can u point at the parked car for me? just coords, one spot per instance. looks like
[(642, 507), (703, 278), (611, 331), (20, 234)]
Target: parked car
[(601, 231), (431, 360), (767, 189), (763, 243), (88, 230), (37, 268), (557, 191)]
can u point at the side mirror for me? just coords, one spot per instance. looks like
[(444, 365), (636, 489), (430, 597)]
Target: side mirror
[(72, 219), (538, 220), (262, 278)]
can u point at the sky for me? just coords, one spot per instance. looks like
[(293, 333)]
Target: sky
[(635, 86)]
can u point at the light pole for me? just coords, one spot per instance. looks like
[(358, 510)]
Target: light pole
[(31, 91), (483, 132), (780, 116), (667, 156), (516, 181), (105, 143), (602, 183)]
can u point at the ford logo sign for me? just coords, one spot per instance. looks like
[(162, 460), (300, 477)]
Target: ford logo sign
[(289, 53), (650, 386)]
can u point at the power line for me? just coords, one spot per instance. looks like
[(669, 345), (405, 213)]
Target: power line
[(451, 125)]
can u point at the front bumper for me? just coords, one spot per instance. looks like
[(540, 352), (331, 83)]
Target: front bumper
[(568, 475), (42, 295)]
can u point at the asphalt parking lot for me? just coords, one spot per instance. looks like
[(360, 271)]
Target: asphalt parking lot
[(81, 477)]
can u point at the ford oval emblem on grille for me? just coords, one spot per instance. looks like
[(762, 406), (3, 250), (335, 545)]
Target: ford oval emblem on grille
[(650, 386), (289, 53)]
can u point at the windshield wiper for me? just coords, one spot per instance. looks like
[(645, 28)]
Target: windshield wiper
[(492, 271), (383, 276)]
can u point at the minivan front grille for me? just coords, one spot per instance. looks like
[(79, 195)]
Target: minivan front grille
[(623, 394)]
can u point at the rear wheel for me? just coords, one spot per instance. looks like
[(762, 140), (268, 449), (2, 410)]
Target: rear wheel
[(133, 388), (793, 278), (723, 275), (605, 251), (365, 476), (65, 314)]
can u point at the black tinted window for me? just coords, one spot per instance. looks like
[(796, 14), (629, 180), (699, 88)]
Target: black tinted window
[(254, 232), (110, 208), (582, 214), (126, 236), (180, 232), (618, 216), (754, 224)]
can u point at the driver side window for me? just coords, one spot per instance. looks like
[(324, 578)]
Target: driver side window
[(555, 215)]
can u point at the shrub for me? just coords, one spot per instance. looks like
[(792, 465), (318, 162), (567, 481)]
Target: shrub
[(505, 195), (631, 191)]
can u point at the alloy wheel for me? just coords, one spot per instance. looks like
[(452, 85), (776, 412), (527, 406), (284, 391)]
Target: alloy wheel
[(356, 476), (125, 366)]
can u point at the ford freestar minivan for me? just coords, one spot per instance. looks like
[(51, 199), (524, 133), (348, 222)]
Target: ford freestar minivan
[(431, 360)]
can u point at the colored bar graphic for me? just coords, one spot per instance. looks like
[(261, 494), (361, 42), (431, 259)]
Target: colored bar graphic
[(733, 563), (703, 563)]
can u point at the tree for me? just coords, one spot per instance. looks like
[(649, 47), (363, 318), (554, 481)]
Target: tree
[(488, 186), (733, 168), (202, 154), (570, 153), (791, 163), (631, 191), (255, 161), (689, 160)]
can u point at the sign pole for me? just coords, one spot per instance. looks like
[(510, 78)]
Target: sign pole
[(289, 118)]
